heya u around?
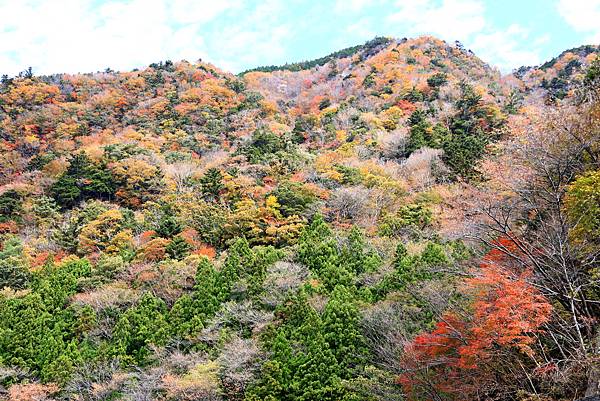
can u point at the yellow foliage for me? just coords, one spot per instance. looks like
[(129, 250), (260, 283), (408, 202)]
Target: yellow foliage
[(104, 234)]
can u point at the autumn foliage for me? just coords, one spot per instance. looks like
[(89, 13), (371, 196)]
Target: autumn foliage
[(464, 352)]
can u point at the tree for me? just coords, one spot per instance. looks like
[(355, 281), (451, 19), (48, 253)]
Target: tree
[(342, 333), (14, 272), (178, 248), (83, 179), (582, 204), (211, 184), (139, 327), (471, 129), (168, 225), (190, 312), (464, 355), (437, 80), (354, 255), (10, 206), (316, 246), (293, 198)]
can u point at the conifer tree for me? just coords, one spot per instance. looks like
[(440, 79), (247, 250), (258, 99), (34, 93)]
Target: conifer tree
[(178, 248)]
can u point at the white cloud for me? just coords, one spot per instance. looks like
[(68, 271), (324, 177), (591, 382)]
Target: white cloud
[(465, 20), (82, 35), (505, 48), (448, 19), (583, 16)]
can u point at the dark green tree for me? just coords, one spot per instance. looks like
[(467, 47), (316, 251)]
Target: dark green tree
[(355, 257), (83, 179), (342, 333), (293, 198), (11, 206), (168, 225), (211, 185), (178, 248), (316, 246)]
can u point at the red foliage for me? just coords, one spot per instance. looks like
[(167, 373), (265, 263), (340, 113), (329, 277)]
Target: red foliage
[(9, 227), (459, 354), (406, 106)]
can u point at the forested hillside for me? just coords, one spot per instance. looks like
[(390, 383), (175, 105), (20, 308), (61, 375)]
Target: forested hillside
[(395, 221)]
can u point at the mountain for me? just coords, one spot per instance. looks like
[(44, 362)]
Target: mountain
[(396, 220)]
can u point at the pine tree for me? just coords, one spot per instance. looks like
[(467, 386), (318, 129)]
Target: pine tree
[(178, 248), (316, 247), (168, 226), (341, 331), (140, 326), (211, 184), (355, 258)]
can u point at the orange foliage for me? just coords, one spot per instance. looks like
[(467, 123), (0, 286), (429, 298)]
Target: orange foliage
[(459, 353), (32, 391)]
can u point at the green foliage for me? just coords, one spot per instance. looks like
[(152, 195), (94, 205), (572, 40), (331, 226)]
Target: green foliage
[(190, 312), (316, 246), (434, 255), (350, 175), (471, 130), (83, 179), (411, 216), (11, 206), (423, 134), (437, 80), (263, 146), (14, 271), (592, 74), (293, 198), (139, 327), (121, 151), (211, 184), (168, 225), (582, 204), (462, 152), (342, 333), (178, 248), (325, 103), (37, 331), (209, 220), (356, 257), (311, 353), (305, 65)]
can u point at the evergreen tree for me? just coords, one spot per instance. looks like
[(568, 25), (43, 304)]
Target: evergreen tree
[(178, 248), (139, 327), (168, 225), (83, 179), (13, 268), (316, 246), (354, 257), (211, 184), (190, 312), (10, 206), (342, 333)]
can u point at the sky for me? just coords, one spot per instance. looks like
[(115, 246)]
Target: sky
[(56, 36)]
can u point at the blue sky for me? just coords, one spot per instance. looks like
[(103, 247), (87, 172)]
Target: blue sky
[(56, 36)]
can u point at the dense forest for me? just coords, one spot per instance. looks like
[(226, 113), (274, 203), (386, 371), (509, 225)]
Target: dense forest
[(395, 221)]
